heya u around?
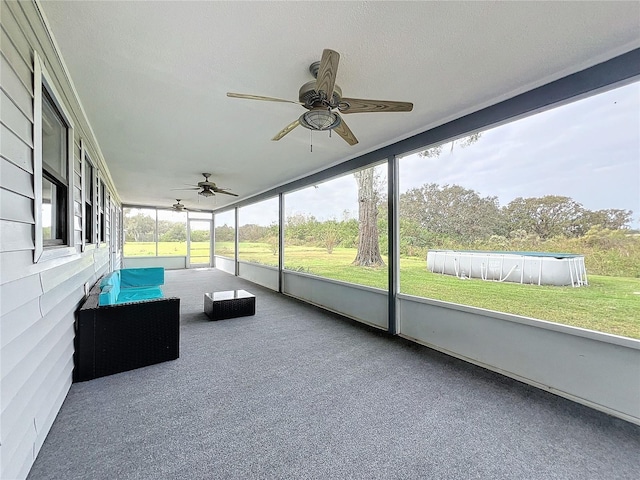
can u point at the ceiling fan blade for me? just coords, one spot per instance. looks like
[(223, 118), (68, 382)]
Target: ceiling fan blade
[(345, 132), (359, 105), (260, 97), (191, 188), (227, 193), (286, 130), (327, 72)]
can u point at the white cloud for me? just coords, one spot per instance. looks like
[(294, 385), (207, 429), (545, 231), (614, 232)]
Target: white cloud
[(588, 150)]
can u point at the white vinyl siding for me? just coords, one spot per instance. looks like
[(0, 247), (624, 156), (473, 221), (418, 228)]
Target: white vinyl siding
[(37, 299)]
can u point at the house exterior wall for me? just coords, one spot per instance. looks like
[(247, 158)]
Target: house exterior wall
[(39, 296)]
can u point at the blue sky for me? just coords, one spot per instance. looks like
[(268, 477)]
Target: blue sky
[(588, 150)]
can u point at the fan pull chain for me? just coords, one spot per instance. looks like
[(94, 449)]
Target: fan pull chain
[(311, 140)]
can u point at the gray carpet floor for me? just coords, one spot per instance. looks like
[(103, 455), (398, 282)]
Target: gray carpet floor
[(295, 392)]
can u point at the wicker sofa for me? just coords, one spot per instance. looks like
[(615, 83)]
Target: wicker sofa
[(124, 336)]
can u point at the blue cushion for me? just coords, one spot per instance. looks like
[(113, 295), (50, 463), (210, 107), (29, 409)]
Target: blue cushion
[(131, 285), (109, 295), (141, 277), (110, 279), (135, 294)]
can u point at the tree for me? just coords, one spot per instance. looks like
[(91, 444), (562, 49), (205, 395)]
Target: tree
[(200, 236), (610, 219), (330, 237), (251, 232), (549, 216), (368, 199), (224, 233), (273, 243), (368, 242), (452, 210), (139, 228), (177, 232), (301, 228)]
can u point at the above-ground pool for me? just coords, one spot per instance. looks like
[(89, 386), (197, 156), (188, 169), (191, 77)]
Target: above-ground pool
[(536, 268)]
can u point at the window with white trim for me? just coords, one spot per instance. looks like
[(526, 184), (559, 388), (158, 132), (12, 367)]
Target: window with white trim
[(102, 196), (55, 174), (52, 169), (88, 182)]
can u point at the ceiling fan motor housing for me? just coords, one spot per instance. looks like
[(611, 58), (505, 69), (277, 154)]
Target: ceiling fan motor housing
[(319, 117), (206, 183), (311, 98)]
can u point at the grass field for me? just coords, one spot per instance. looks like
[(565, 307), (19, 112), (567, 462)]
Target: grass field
[(608, 304)]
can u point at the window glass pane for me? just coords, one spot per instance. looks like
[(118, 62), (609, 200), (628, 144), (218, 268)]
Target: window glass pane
[(258, 233), (139, 232), (50, 231), (172, 233), (102, 201), (87, 185), (54, 140), (225, 234), (338, 229), (54, 174), (89, 220), (538, 217), (88, 182)]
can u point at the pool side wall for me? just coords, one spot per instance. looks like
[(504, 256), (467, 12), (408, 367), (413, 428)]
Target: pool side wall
[(509, 267)]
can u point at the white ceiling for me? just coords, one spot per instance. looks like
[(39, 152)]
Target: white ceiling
[(153, 77)]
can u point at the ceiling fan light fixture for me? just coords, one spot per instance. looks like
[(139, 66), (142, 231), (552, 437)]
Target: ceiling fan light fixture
[(320, 119), (206, 193)]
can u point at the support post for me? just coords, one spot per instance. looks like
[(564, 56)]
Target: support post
[(394, 240), (212, 242), (236, 240), (281, 220)]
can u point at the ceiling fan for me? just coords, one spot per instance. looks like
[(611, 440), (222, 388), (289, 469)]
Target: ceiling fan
[(323, 98), (178, 207), (207, 188)]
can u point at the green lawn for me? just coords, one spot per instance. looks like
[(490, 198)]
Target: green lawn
[(165, 249), (608, 304)]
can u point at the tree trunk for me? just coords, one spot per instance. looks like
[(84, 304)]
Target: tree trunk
[(368, 245)]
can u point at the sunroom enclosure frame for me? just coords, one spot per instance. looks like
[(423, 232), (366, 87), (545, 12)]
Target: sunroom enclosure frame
[(418, 318)]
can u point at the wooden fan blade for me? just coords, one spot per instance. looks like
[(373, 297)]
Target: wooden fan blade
[(344, 131), (191, 188), (359, 105), (286, 130), (226, 193), (260, 97), (327, 72)]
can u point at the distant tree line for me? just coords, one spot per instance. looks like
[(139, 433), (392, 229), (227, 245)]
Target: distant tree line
[(463, 214), (437, 216), (141, 228)]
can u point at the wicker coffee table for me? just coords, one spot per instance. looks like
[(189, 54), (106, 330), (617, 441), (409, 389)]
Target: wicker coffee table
[(229, 304)]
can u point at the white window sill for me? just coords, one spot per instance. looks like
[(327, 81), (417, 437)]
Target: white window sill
[(49, 253)]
